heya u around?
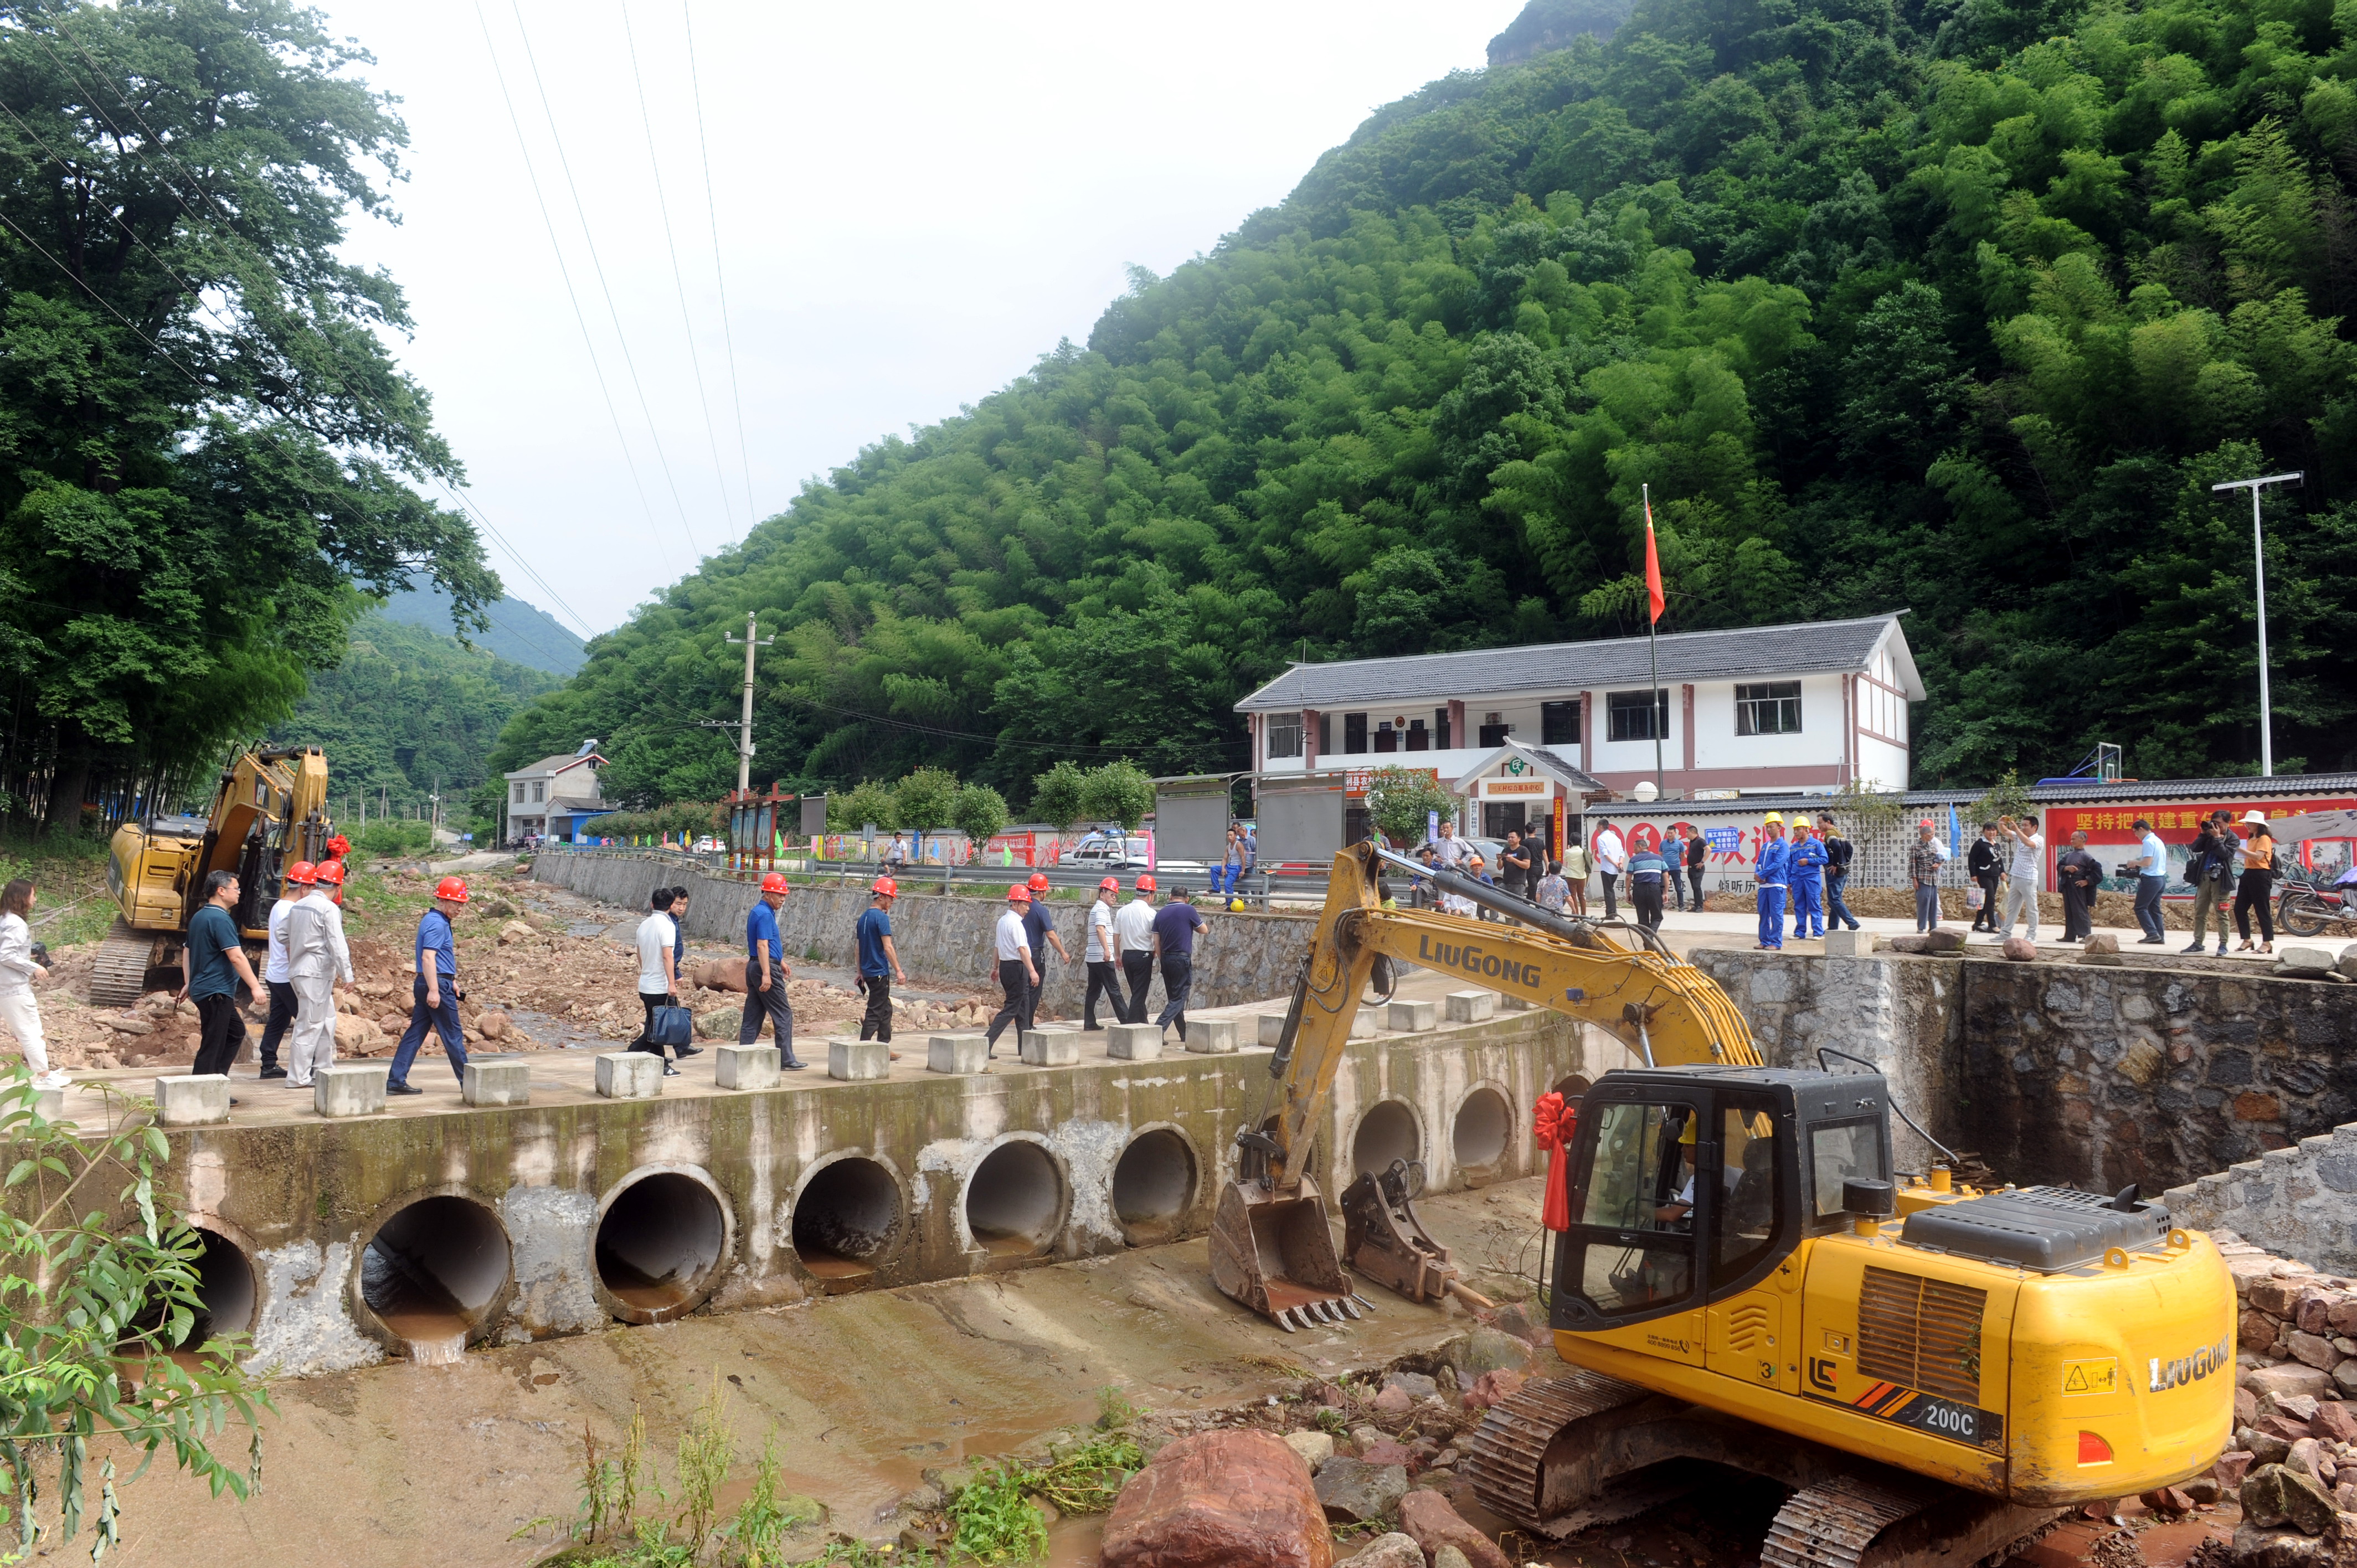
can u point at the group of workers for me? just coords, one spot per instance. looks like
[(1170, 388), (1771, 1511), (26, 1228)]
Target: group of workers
[(1125, 942), (1811, 862)]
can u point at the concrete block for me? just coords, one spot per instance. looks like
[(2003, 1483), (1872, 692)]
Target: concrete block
[(497, 1083), (1510, 1004), (1133, 1042), (1272, 1029), (1846, 943), (852, 1060), (1413, 1016), (1470, 1006), (755, 1067), (1050, 1048), (1212, 1036), (349, 1089), (1365, 1023), (957, 1053), (191, 1100), (629, 1075)]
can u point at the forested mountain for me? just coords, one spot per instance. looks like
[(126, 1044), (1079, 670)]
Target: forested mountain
[(518, 632), (408, 707), (1954, 307)]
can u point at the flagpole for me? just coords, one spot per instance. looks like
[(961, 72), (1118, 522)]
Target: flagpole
[(1653, 649)]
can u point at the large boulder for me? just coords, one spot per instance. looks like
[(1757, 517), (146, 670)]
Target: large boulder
[(2288, 1377), (2276, 1494), (1353, 1491), (1428, 1517), (2305, 959), (1231, 1499), (1932, 941), (2019, 949), (1492, 1388), (1488, 1349), (1392, 1550), (1315, 1448), (2260, 1548)]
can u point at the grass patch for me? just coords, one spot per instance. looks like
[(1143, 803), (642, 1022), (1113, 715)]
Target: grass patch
[(994, 1521)]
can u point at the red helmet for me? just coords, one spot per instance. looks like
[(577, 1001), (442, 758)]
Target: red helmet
[(886, 888), (1039, 882), (774, 883), (331, 872), (1110, 884), (1144, 885), (453, 888), (1018, 894), (303, 874)]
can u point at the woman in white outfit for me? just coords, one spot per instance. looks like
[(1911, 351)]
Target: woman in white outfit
[(19, 1010)]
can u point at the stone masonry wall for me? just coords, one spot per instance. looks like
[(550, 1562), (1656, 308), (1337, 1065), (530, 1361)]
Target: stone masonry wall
[(942, 940), (2301, 1200)]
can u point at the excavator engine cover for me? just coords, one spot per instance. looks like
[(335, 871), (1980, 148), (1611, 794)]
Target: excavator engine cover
[(1276, 1255), (1383, 1239)]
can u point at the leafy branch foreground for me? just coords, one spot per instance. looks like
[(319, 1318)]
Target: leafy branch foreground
[(628, 1519)]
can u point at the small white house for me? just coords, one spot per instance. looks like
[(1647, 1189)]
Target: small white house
[(548, 797), (1767, 709)]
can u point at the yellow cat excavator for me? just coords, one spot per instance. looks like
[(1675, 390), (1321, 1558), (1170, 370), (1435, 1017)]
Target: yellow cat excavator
[(269, 810), (1745, 1282)]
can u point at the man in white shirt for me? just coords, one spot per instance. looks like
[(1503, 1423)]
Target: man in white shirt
[(297, 881), (1103, 954), (2021, 872), (1447, 849), (1612, 860), (317, 957), (1134, 928), (658, 973), (1018, 975), (2152, 880)]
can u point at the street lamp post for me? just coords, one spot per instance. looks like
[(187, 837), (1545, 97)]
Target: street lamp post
[(2258, 550)]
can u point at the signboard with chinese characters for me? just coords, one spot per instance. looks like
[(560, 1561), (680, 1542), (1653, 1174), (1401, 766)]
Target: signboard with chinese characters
[(2112, 835)]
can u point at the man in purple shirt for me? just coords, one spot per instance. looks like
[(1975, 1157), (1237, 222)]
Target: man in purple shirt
[(1175, 925)]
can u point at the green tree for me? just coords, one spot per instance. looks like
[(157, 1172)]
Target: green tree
[(1056, 796), (866, 804), (979, 812), (208, 441), (1400, 800), (1119, 792), (926, 800)]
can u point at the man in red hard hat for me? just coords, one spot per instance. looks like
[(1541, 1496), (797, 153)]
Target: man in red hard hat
[(766, 974), (317, 957), (433, 989), (1040, 932), (1135, 926), (880, 961), (1103, 953), (1016, 973), (298, 879)]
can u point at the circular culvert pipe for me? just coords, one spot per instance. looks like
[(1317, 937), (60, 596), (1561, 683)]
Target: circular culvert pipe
[(433, 1274), (1014, 1200), (1572, 1089), (227, 1292), (1153, 1185), (849, 1218), (660, 1244), (1483, 1130), (1386, 1133)]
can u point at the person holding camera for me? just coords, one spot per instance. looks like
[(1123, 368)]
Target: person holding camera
[(2021, 872)]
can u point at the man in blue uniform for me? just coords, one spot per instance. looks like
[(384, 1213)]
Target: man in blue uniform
[(1768, 874), (1804, 869), (764, 974), (434, 991)]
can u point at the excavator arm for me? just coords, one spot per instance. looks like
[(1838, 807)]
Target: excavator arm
[(1271, 1248)]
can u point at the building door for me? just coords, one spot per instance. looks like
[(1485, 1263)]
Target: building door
[(1501, 817)]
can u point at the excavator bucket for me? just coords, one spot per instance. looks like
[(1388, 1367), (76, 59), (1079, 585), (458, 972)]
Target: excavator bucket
[(1276, 1256), (1383, 1239)]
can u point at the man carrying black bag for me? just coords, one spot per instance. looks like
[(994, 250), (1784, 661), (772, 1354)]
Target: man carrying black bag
[(658, 975)]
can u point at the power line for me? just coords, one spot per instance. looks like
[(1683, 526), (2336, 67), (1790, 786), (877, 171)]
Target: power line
[(712, 210), (679, 281), (589, 238)]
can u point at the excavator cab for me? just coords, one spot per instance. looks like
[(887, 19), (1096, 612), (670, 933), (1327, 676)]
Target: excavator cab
[(1688, 1186)]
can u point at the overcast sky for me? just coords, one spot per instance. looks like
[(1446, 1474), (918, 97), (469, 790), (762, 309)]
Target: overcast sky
[(914, 201)]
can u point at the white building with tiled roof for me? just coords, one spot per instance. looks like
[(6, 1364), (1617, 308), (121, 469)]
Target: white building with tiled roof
[(550, 795), (1765, 709)]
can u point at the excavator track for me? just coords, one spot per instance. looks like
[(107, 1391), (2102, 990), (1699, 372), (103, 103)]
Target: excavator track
[(1890, 1519), (120, 972), (1831, 1525), (1508, 1448)]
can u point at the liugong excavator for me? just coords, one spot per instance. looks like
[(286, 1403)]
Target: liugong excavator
[(269, 810), (1745, 1283)]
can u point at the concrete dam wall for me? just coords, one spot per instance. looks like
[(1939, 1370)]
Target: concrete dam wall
[(943, 939)]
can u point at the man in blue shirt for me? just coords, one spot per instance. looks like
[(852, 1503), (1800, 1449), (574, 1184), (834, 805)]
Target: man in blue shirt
[(1804, 868), (1175, 925), (879, 961), (766, 972), (434, 992), (215, 965), (1768, 874), (2152, 877)]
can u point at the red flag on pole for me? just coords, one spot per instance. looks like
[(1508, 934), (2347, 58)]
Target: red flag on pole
[(1652, 563)]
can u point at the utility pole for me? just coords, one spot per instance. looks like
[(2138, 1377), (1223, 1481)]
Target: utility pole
[(2259, 551), (745, 726)]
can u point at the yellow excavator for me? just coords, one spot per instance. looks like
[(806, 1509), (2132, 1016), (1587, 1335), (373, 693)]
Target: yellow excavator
[(1746, 1284), (269, 810)]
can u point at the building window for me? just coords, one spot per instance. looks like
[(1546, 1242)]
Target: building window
[(540, 791), (1284, 735), (1493, 734), (1324, 734), (1354, 734), (1439, 723), (518, 794), (1386, 737), (1628, 716), (1420, 739), (1559, 723), (1772, 707)]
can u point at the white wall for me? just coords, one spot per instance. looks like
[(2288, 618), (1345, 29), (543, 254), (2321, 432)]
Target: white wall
[(1818, 744), (1883, 766)]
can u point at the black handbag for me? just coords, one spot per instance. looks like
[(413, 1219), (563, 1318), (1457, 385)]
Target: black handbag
[(671, 1026)]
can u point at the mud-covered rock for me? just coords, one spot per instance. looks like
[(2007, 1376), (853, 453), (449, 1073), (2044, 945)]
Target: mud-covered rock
[(1492, 1388), (1488, 1349), (1236, 1498), (1428, 1517), (2276, 1494), (1315, 1448), (1353, 1491), (1392, 1550)]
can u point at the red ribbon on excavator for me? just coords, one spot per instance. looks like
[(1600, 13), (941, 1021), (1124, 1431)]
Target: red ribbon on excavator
[(1553, 1124)]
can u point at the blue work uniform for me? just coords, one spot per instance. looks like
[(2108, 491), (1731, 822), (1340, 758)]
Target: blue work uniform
[(767, 1005), (1804, 866), (1767, 871), (434, 946)]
